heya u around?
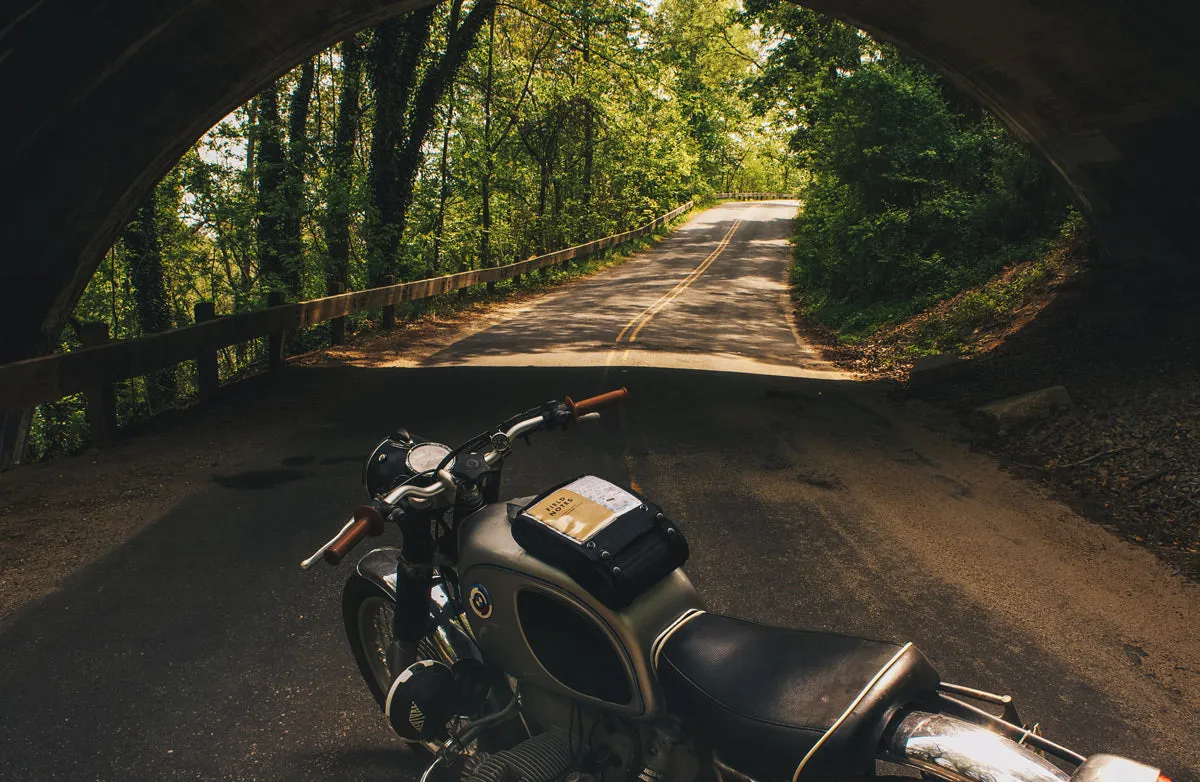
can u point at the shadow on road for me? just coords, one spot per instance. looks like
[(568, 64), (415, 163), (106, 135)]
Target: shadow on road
[(199, 648)]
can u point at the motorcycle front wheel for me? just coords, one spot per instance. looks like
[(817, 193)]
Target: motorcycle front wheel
[(367, 610)]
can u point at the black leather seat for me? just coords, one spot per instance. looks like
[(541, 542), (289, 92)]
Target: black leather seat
[(764, 697)]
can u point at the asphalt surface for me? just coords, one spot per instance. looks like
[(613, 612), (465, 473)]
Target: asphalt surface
[(199, 650), (713, 294)]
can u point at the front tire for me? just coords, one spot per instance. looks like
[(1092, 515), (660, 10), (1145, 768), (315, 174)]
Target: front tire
[(367, 611)]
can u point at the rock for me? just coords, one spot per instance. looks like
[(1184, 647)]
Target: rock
[(1004, 415), (929, 370)]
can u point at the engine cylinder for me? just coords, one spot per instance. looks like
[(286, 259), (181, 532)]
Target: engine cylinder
[(543, 758)]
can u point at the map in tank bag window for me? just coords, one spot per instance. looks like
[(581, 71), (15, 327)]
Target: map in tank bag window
[(583, 508)]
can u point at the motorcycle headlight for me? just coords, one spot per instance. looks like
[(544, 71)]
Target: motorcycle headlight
[(397, 458)]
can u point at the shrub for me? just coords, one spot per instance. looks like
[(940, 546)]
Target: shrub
[(909, 201)]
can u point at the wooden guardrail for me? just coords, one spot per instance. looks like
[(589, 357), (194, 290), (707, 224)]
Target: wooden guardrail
[(755, 196), (94, 369)]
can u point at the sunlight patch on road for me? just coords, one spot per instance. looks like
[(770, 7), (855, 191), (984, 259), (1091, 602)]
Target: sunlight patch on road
[(708, 362)]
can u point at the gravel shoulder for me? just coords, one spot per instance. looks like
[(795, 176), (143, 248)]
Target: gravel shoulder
[(1127, 349), (1127, 454)]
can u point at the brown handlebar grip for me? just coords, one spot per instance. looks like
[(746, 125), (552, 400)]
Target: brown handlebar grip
[(367, 521), (585, 406)]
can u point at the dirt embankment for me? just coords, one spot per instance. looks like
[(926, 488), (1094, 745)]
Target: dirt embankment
[(1126, 347)]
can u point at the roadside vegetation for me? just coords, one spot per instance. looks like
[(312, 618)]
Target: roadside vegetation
[(912, 192), (927, 229), (973, 321)]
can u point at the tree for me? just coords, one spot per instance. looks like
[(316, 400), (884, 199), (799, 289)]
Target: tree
[(575, 120), (910, 197), (150, 292), (438, 78), (291, 249), (271, 209), (394, 59), (339, 189)]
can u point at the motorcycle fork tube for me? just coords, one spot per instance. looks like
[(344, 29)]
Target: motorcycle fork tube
[(414, 580)]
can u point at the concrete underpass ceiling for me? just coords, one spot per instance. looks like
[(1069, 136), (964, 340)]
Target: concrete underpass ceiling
[(101, 98)]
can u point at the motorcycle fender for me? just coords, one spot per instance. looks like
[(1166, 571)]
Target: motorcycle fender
[(379, 567), (448, 628)]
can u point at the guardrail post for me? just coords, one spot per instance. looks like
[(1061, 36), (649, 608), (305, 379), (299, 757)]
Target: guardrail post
[(102, 400), (337, 326), (275, 339), (389, 310), (206, 361)]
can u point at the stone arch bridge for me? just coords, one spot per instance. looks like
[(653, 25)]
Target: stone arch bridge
[(99, 100)]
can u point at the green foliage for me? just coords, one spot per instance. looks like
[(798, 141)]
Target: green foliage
[(978, 310), (58, 428), (951, 327), (909, 198)]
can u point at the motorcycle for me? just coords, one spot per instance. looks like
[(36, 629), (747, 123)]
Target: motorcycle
[(557, 637)]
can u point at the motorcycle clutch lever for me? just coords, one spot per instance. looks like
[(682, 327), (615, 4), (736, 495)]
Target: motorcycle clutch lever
[(319, 553)]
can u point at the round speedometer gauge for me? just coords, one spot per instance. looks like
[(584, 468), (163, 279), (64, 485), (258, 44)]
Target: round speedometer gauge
[(426, 456)]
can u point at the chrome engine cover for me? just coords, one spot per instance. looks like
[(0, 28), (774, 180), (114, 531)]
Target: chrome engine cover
[(495, 573)]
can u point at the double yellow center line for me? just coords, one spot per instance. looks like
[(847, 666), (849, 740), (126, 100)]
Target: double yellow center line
[(635, 326)]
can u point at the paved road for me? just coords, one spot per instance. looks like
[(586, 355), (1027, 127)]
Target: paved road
[(198, 650), (713, 294)]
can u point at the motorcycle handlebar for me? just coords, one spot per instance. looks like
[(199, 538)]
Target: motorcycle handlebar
[(591, 404), (367, 521)]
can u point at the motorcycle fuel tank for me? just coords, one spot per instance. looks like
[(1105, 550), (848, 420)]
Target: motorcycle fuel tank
[(538, 625)]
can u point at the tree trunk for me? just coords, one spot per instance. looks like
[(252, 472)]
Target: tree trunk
[(485, 185), (271, 214), (251, 140), (144, 253), (437, 79), (589, 147), (394, 57), (543, 194), (292, 249), (589, 118), (244, 222), (558, 208), (444, 189), (341, 180)]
